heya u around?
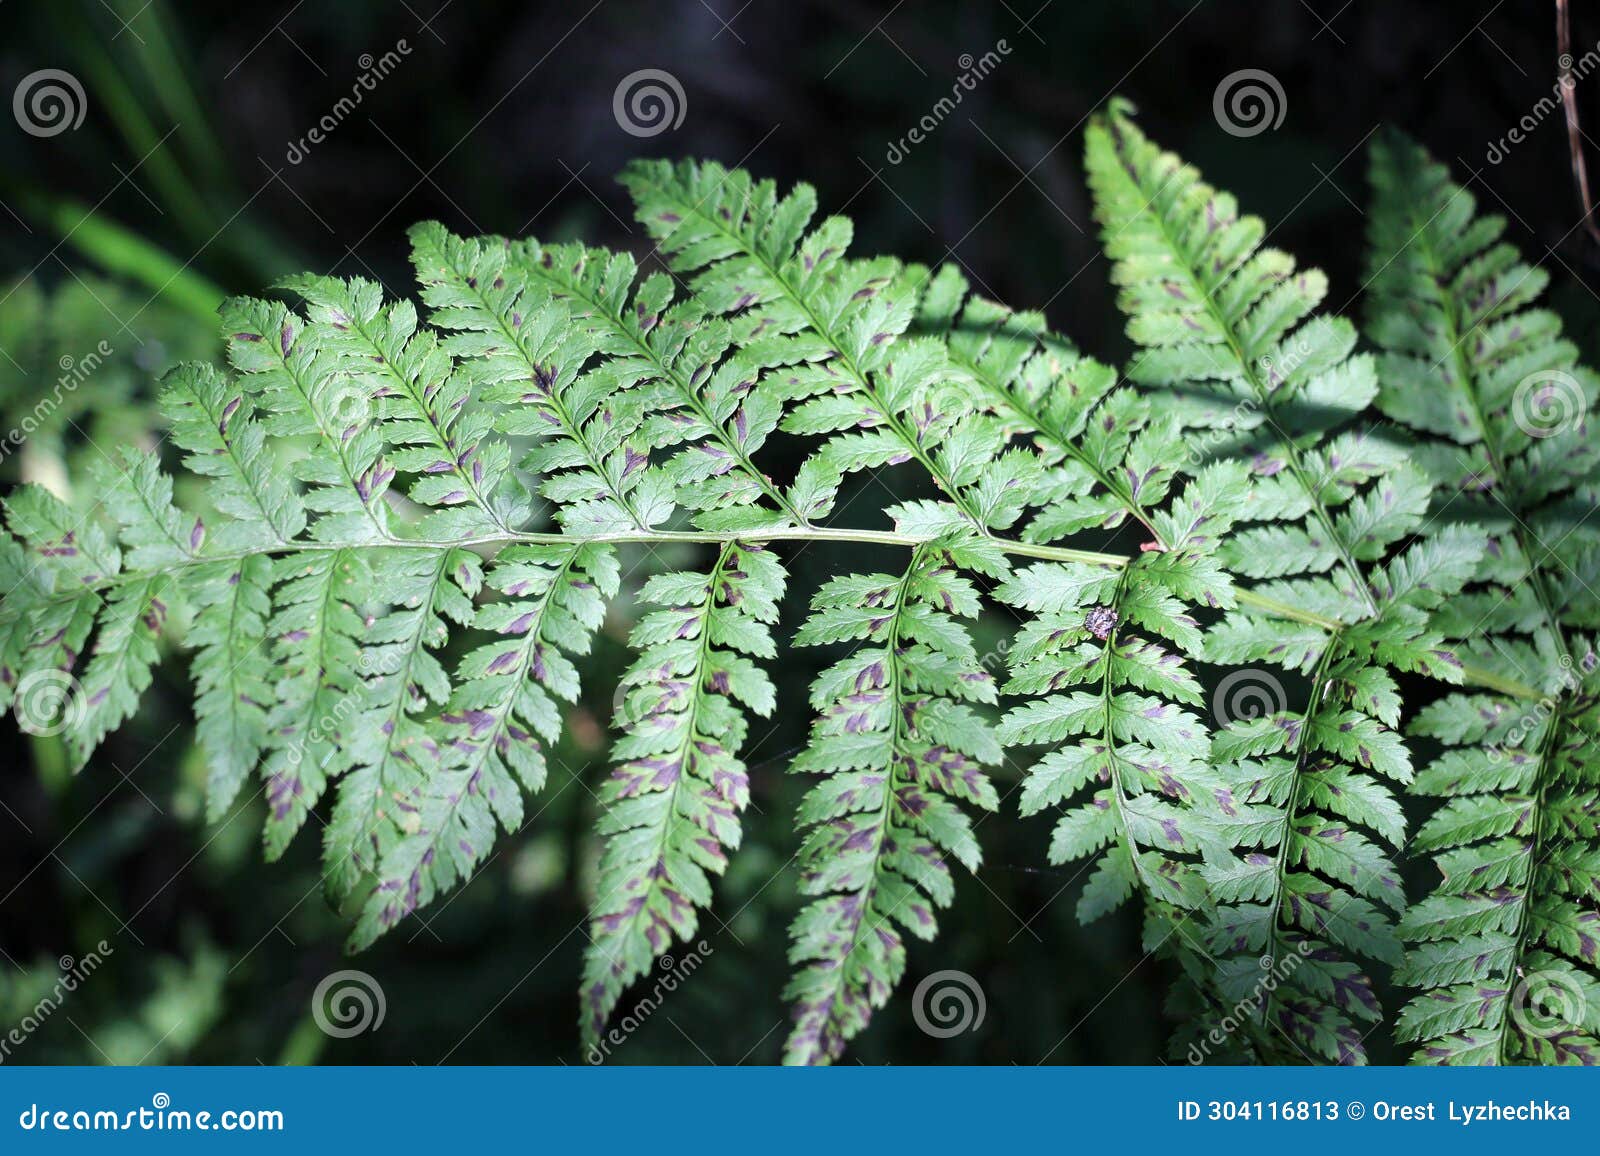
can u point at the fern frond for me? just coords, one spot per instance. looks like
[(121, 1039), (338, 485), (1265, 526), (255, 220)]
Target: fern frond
[(422, 407), (1224, 324), (305, 392), (485, 747), (65, 592), (316, 628), (1097, 473), (213, 419), (54, 566), (1107, 632), (389, 606), (390, 749), (232, 672), (1506, 949), (1118, 642)]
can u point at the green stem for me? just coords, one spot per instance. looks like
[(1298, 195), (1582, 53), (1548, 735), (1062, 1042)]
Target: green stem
[(809, 534)]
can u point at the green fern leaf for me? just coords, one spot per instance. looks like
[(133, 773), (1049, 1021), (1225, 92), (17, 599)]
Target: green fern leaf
[(1231, 325), (1506, 950), (899, 746), (673, 802)]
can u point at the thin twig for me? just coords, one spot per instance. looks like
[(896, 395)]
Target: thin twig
[(1569, 102)]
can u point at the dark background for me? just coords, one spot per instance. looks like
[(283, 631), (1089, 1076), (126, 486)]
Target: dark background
[(500, 120)]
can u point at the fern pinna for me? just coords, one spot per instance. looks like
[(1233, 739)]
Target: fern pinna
[(408, 530), (1506, 949), (1229, 326)]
